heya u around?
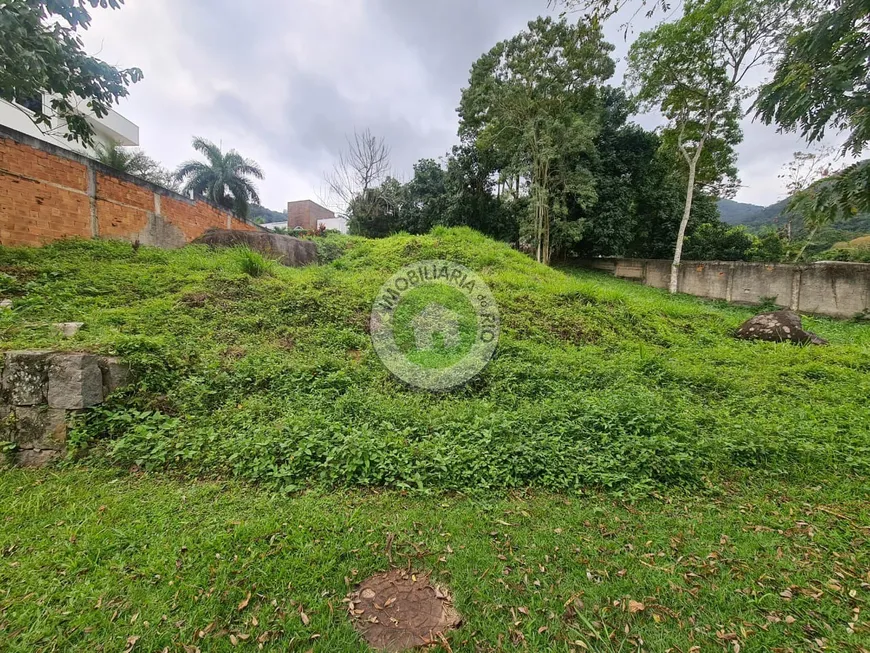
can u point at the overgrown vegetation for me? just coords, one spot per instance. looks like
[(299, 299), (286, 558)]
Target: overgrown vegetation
[(597, 383)]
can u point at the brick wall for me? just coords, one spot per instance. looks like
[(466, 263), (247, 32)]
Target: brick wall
[(48, 193)]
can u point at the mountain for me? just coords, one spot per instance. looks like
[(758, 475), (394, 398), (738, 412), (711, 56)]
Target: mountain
[(262, 215), (766, 216), (733, 212)]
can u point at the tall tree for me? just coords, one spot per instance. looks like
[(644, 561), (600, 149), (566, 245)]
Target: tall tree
[(362, 167), (135, 162), (41, 52), (534, 100), (693, 71), (226, 179)]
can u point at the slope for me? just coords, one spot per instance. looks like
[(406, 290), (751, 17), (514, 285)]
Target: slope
[(596, 382)]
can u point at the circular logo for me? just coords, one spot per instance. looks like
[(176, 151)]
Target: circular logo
[(435, 324)]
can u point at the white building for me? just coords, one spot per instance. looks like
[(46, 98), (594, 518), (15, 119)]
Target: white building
[(111, 129), (338, 224)]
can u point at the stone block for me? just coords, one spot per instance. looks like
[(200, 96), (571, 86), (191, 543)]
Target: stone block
[(40, 428), (74, 381), (33, 458), (25, 376), (116, 374), (67, 329)]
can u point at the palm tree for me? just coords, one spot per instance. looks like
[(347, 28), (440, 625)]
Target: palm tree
[(136, 163), (225, 179)]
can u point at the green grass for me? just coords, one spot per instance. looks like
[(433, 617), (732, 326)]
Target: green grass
[(596, 383), (89, 559)]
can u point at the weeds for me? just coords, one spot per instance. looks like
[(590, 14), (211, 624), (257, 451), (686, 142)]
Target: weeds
[(254, 264)]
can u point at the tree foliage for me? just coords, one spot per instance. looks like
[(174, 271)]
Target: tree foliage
[(823, 83), (226, 179), (823, 80), (135, 162), (41, 51), (533, 100)]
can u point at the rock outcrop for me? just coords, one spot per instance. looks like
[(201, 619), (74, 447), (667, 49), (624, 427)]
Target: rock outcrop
[(287, 250), (778, 326)]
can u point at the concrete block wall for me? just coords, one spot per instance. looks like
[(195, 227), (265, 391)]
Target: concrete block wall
[(48, 193), (827, 288), (40, 391)]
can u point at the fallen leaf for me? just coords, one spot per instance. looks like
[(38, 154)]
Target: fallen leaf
[(635, 606), (244, 603), (304, 617)]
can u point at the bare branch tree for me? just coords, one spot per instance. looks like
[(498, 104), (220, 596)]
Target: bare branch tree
[(363, 166)]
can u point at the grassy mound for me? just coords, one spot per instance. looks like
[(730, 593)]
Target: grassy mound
[(596, 382)]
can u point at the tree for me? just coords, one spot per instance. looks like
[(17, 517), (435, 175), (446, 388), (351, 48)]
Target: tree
[(224, 179), (427, 202), (360, 169), (823, 82), (41, 52), (639, 191), (693, 71), (136, 163), (377, 212), (533, 99), (716, 241)]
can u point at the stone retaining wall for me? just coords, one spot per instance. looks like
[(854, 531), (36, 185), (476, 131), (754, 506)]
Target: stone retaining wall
[(41, 389)]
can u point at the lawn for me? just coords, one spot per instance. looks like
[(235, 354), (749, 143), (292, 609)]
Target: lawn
[(95, 560), (624, 475)]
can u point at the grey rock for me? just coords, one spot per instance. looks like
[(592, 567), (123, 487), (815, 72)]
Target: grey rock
[(68, 329), (25, 376), (287, 250), (33, 458), (116, 374), (40, 428), (778, 326), (6, 304), (74, 381)]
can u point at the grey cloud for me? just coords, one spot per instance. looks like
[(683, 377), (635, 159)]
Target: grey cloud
[(286, 81)]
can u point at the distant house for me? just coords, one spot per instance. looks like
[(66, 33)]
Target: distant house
[(108, 130), (308, 215), (272, 226)]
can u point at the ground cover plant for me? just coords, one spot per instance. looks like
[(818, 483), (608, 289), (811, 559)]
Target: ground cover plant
[(597, 383)]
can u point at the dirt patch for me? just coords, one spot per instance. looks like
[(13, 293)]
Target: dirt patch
[(195, 299), (398, 610)]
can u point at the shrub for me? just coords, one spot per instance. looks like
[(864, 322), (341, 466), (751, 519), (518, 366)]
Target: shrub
[(254, 264)]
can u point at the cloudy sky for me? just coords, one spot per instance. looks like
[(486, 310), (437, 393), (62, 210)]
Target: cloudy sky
[(284, 81)]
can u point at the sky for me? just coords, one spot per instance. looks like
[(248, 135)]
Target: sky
[(284, 82)]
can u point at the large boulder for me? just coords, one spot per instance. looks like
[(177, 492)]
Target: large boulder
[(778, 326), (287, 250)]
